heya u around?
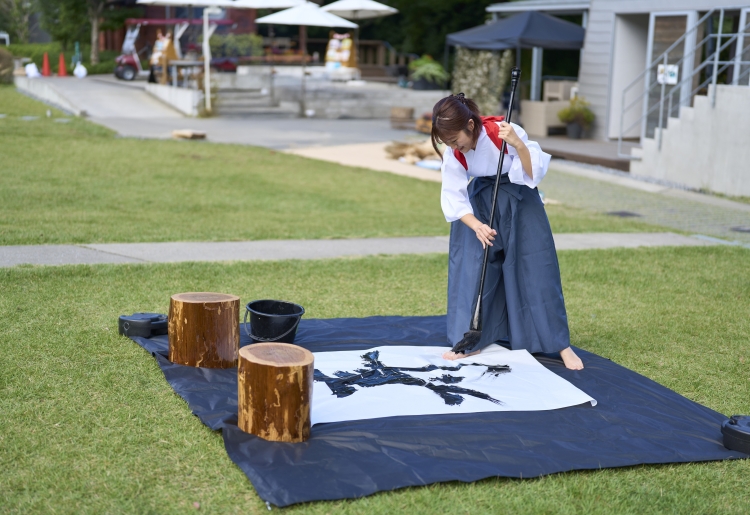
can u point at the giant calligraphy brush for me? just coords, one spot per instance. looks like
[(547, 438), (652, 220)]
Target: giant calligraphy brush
[(474, 334)]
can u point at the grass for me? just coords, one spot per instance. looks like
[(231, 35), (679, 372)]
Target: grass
[(89, 425), (744, 200), (77, 183)]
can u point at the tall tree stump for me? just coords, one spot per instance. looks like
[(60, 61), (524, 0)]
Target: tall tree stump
[(275, 382), (204, 329)]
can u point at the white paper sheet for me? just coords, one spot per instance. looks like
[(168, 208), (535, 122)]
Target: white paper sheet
[(528, 386)]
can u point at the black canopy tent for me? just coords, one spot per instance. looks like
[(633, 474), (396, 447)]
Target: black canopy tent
[(524, 30), (530, 29)]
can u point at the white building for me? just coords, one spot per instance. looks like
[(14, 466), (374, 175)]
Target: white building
[(628, 43)]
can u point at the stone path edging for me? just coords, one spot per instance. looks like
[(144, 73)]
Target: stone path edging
[(175, 252)]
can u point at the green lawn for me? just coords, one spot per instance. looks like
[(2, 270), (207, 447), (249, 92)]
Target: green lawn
[(89, 425), (77, 183)]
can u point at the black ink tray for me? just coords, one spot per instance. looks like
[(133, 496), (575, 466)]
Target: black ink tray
[(736, 433), (145, 325)]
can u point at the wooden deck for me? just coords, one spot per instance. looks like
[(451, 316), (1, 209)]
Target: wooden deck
[(589, 151)]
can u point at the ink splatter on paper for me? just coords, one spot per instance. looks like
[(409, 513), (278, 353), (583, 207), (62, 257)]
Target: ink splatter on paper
[(376, 373)]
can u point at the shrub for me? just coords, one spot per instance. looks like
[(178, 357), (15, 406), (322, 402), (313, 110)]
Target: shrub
[(577, 112), (35, 51), (236, 45), (428, 69), (482, 75), (6, 67)]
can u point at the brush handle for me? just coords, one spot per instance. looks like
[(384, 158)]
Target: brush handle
[(476, 321)]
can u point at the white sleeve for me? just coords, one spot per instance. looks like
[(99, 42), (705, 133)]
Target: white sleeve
[(454, 197), (539, 161)]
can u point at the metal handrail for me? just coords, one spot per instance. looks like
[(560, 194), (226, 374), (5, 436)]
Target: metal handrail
[(711, 60), (675, 88), (640, 77)]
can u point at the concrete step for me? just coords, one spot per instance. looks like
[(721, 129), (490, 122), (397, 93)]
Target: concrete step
[(240, 104), (253, 111), (241, 93), (244, 99), (687, 113)]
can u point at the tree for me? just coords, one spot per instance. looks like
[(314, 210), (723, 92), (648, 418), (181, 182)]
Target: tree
[(482, 76), (65, 20), (4, 21), (420, 26), (95, 8), (16, 14)]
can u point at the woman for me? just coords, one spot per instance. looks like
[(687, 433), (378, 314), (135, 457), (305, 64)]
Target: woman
[(523, 301)]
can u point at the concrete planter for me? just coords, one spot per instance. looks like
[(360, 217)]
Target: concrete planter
[(425, 85), (574, 130), (186, 101)]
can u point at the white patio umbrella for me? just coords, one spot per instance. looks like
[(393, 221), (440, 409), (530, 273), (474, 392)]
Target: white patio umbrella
[(185, 3), (306, 15), (359, 10), (265, 4)]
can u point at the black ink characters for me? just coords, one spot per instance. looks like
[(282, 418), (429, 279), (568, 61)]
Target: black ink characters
[(376, 373)]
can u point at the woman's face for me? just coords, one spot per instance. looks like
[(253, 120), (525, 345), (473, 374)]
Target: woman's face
[(461, 140)]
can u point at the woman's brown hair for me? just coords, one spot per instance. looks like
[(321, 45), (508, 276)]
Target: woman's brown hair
[(451, 115)]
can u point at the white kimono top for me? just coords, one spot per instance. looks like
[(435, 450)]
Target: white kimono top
[(483, 162)]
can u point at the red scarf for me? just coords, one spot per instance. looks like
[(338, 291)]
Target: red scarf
[(490, 126)]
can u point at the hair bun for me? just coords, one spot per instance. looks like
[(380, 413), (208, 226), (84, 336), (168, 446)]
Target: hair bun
[(461, 98)]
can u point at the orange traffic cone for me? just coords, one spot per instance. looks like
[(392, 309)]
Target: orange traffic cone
[(46, 72), (61, 69)]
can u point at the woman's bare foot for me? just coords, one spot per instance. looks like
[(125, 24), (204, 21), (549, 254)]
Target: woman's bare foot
[(452, 356), (571, 360)]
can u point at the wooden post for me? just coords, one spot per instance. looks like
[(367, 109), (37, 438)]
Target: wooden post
[(274, 387), (164, 63), (204, 329)]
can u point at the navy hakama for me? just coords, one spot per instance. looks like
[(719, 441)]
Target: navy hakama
[(523, 299)]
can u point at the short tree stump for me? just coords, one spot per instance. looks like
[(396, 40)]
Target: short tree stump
[(275, 382), (204, 329)]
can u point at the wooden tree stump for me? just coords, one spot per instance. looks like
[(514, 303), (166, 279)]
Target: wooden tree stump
[(204, 329), (275, 382)]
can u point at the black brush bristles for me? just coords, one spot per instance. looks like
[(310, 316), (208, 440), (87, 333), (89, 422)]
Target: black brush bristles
[(468, 342)]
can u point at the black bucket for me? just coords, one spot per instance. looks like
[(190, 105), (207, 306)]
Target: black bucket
[(273, 320)]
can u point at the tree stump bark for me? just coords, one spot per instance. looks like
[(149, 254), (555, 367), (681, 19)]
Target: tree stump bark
[(204, 329), (275, 382)]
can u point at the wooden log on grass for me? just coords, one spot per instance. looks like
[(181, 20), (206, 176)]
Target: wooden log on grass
[(275, 382), (204, 329)]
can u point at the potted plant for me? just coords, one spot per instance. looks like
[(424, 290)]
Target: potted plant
[(427, 73), (577, 116)]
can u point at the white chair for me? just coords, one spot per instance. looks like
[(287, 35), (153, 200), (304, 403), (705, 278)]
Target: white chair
[(559, 90)]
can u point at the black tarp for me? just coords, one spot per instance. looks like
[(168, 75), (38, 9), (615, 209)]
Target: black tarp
[(524, 30), (636, 421)]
